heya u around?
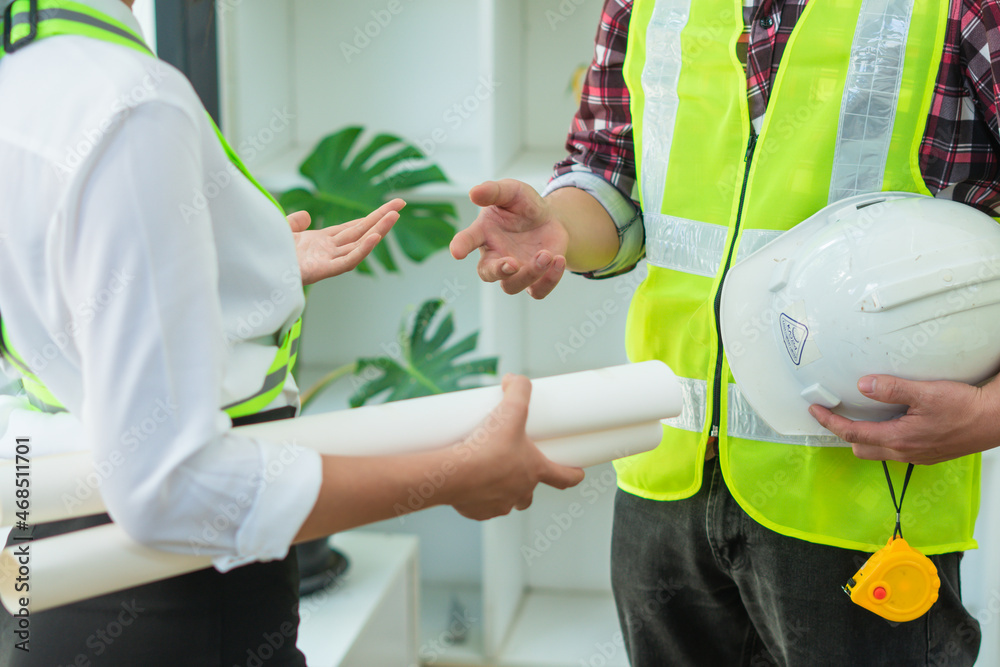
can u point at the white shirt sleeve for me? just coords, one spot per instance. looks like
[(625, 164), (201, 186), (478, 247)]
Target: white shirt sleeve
[(152, 357)]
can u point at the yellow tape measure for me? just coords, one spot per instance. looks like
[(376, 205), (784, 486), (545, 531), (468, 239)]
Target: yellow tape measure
[(898, 582)]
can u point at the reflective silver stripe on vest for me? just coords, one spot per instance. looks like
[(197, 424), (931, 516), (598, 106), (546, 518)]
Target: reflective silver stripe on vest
[(76, 17), (743, 421), (696, 247), (273, 380), (660, 75), (871, 93), (694, 394)]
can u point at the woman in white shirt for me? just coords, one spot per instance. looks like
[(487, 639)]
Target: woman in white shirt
[(133, 289)]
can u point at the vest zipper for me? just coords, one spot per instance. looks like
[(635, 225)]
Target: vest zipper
[(717, 386)]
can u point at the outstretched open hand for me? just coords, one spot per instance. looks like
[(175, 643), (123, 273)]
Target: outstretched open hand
[(521, 243), (329, 252)]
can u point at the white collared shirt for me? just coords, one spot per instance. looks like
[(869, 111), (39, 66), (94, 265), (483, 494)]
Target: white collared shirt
[(146, 283)]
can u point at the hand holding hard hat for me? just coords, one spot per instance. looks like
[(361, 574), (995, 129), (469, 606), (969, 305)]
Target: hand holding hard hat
[(879, 306)]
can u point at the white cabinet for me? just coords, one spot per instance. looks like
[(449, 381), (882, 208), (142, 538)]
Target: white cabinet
[(370, 616), (483, 87)]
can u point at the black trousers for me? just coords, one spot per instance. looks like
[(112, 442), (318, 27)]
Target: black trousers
[(247, 617), (699, 583)]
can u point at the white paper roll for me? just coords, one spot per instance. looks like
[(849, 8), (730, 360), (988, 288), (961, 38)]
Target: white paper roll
[(96, 561), (53, 482), (561, 405), (85, 564), (590, 449)]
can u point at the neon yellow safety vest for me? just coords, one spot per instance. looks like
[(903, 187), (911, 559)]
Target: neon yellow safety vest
[(27, 21), (846, 115)]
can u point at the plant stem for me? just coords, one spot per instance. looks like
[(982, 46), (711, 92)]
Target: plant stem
[(310, 394)]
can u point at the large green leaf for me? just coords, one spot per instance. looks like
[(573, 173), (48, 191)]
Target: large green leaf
[(424, 365), (352, 180)]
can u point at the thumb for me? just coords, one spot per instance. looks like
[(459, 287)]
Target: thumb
[(299, 221), (559, 476), (889, 389), (485, 194), (516, 397), (506, 193)]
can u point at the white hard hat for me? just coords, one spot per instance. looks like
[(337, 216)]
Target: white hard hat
[(890, 283)]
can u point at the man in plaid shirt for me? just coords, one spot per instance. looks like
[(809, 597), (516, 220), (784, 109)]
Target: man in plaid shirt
[(739, 593)]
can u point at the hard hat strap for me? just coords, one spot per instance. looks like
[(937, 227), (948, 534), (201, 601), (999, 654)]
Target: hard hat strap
[(899, 507)]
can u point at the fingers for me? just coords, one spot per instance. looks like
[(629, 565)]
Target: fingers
[(382, 227), (541, 275), (876, 453), (542, 287), (299, 221), (517, 394), (467, 240), (349, 232), (396, 204), (524, 502), (474, 236), (873, 441), (361, 250), (492, 268), (868, 433), (514, 196)]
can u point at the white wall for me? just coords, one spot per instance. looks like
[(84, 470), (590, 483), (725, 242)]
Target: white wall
[(145, 13)]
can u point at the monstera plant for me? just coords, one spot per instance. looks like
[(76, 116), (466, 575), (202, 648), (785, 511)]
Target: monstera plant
[(425, 362), (353, 178)]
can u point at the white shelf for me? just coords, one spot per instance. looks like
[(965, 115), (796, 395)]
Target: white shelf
[(372, 611), (464, 169), (439, 620), (565, 629)]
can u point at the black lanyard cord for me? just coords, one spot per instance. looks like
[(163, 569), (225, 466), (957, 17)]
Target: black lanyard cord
[(899, 508)]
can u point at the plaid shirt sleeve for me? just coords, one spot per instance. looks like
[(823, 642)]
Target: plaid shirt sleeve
[(959, 153), (600, 140)]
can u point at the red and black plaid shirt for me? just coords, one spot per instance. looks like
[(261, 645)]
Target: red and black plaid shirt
[(961, 147)]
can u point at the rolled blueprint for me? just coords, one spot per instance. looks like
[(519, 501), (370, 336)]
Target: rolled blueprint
[(96, 561), (590, 449), (561, 405), (572, 404), (60, 488), (84, 564)]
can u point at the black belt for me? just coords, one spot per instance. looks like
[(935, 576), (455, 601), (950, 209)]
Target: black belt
[(274, 415)]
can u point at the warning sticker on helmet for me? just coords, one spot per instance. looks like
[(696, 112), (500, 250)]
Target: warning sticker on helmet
[(794, 334)]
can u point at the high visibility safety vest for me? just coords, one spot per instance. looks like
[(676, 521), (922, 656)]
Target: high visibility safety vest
[(846, 115), (27, 21)]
